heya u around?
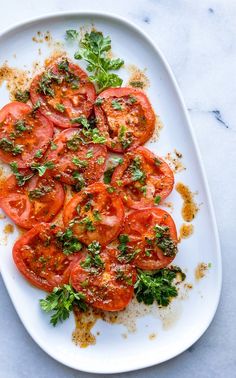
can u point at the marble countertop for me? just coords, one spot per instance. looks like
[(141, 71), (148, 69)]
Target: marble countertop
[(198, 40)]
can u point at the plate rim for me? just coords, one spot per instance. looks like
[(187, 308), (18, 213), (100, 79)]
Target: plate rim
[(112, 16)]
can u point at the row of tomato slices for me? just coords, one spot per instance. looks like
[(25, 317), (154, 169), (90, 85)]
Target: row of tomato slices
[(98, 213)]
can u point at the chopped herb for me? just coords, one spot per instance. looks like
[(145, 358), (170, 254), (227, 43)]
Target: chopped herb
[(60, 108), (127, 253), (93, 261), (82, 121), (137, 173), (97, 215), (20, 125), (38, 154), (22, 96), (79, 163), (157, 286), (42, 168), (53, 146), (61, 301), (123, 137), (39, 192), (8, 146), (157, 200), (164, 241), (93, 49), (46, 82), (36, 107), (72, 34), (122, 276), (80, 182), (88, 223), (116, 105), (132, 100), (21, 179), (89, 154), (68, 242), (74, 142), (100, 160), (111, 189), (99, 101)]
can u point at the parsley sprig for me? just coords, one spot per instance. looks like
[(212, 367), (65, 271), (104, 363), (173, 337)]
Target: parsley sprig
[(61, 301), (93, 48), (21, 179), (157, 286)]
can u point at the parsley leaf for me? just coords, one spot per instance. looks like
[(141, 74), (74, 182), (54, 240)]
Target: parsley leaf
[(61, 301), (8, 146), (69, 243), (72, 34), (22, 96), (42, 168), (157, 286), (21, 179), (93, 49), (137, 173), (116, 105), (39, 192), (93, 261)]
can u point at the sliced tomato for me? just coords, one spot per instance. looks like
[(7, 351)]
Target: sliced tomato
[(95, 214), (23, 134), (125, 117), (111, 287), (152, 235), (40, 199), (143, 179), (40, 260), (64, 92), (75, 161)]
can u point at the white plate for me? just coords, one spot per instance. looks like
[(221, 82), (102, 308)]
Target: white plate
[(112, 353)]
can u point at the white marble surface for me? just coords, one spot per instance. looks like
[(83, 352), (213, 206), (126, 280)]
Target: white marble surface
[(198, 39)]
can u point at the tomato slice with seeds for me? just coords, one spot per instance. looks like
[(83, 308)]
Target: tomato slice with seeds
[(111, 287), (143, 179), (23, 134), (64, 92), (125, 117), (40, 199), (152, 235), (40, 260), (75, 162), (95, 214)]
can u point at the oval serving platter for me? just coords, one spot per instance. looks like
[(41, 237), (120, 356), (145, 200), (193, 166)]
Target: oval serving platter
[(112, 352)]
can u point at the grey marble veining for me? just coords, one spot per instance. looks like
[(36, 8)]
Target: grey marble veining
[(198, 40)]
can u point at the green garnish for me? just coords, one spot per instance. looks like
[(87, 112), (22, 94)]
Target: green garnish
[(38, 154), (53, 146), (61, 301), (157, 200), (157, 286), (71, 34), (46, 81), (100, 160), (60, 108), (99, 101), (93, 49), (93, 261), (22, 96), (89, 154), (79, 163), (39, 192), (8, 146), (164, 241), (92, 133), (21, 179), (116, 105), (127, 253), (137, 173), (123, 138), (42, 168), (88, 223), (69, 243), (79, 181)]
